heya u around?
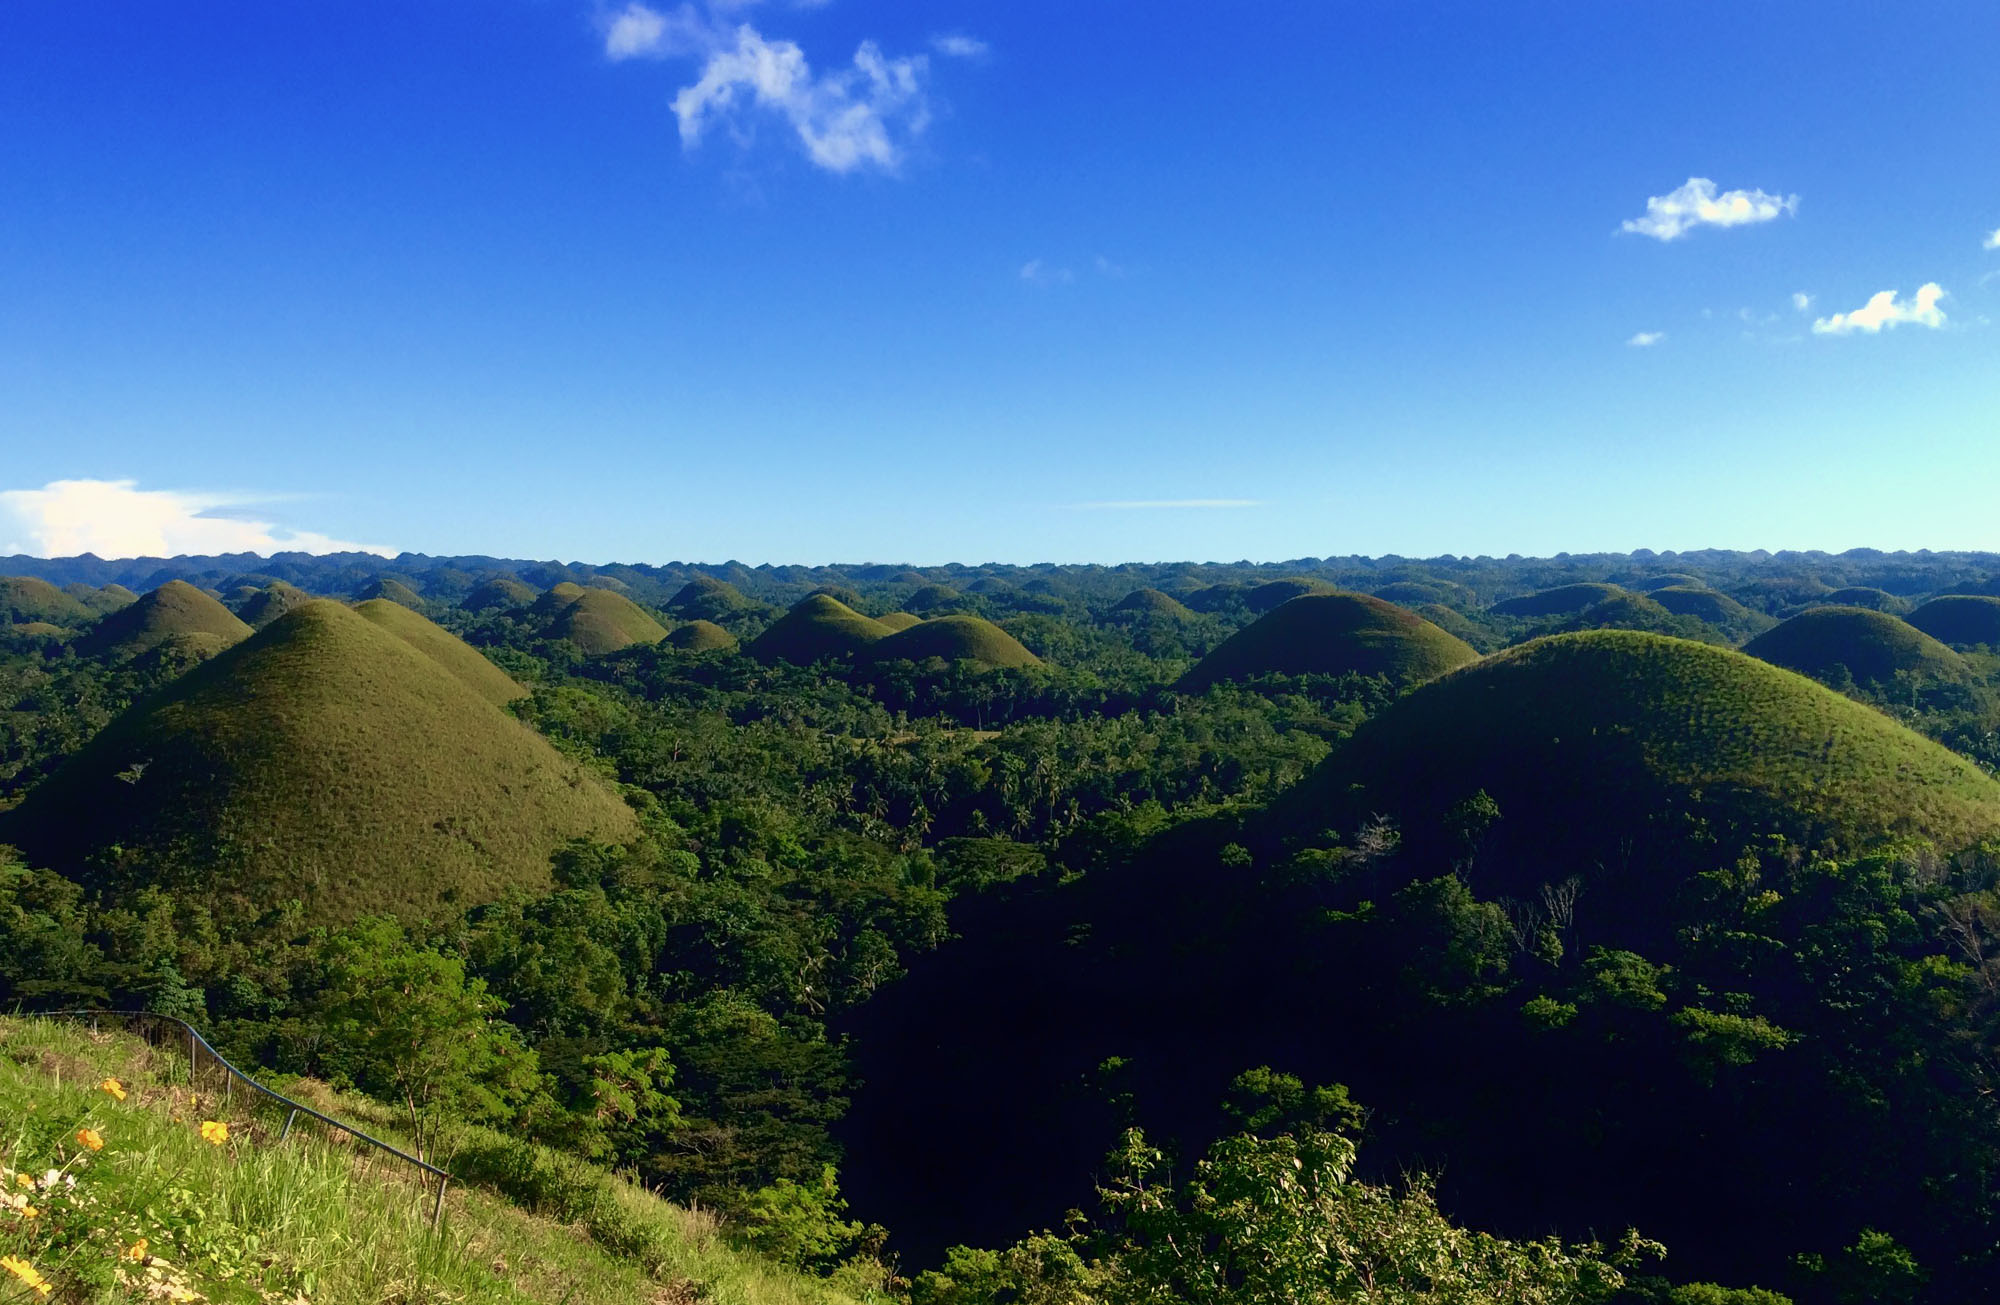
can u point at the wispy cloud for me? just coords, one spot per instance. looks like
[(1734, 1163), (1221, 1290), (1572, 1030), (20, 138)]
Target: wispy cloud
[(1038, 272), (959, 46), (1992, 241), (1126, 504), (1887, 309), (863, 115), (1801, 300), (115, 518), (1646, 339), (1696, 204)]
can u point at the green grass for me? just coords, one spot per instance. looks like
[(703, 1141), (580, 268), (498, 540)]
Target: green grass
[(1667, 580), (1871, 647), (1702, 603), (818, 628), (24, 599), (325, 759), (600, 621), (1333, 634), (552, 600), (176, 610), (1960, 619), (898, 621), (1276, 592), (704, 598), (396, 592), (1151, 602), (271, 602), (1610, 726), (310, 1219), (443, 647), (954, 639), (701, 636), (501, 591), (108, 599), (1560, 601), (1861, 596)]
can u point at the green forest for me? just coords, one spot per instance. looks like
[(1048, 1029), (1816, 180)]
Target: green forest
[(1609, 928)]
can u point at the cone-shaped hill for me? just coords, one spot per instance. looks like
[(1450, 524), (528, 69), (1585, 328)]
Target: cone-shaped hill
[(1879, 600), (327, 760), (444, 648), (1333, 634), (897, 620), (1267, 596), (704, 598), (395, 591), (954, 639), (271, 602), (24, 599), (1870, 646), (1703, 604), (932, 598), (816, 629), (556, 597), (601, 621), (1560, 601), (1960, 619), (108, 599), (701, 636), (1588, 739), (176, 612), (500, 592), (1151, 602), (1623, 611)]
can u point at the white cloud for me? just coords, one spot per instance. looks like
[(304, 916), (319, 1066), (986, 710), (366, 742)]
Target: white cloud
[(1037, 272), (1646, 339), (1885, 309), (1122, 504), (115, 518), (1993, 241), (959, 46), (1801, 300), (1670, 216), (847, 119)]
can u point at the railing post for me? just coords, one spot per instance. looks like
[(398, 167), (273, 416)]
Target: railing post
[(287, 1130)]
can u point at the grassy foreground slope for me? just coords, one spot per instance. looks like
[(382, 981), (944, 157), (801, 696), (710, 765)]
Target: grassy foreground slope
[(1333, 634), (255, 1219), (1601, 725), (324, 759)]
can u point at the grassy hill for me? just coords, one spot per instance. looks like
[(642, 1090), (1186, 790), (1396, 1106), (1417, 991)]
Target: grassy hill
[(601, 621), (444, 648), (954, 639), (1666, 580), (1264, 597), (1604, 728), (1871, 647), (1332, 634), (271, 602), (816, 629), (259, 1218), (1560, 601), (897, 620), (1415, 593), (108, 599), (1703, 604), (324, 759), (24, 599), (175, 612), (1151, 602), (701, 636), (499, 592), (1959, 619), (1861, 596), (395, 591), (933, 598), (704, 598), (555, 598)]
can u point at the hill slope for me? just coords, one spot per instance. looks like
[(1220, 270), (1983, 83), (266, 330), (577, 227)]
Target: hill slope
[(1151, 602), (1960, 619), (444, 648), (176, 611), (270, 603), (499, 592), (324, 759), (601, 621), (1559, 601), (954, 639), (1871, 646), (1333, 634), (24, 599), (701, 636), (817, 628)]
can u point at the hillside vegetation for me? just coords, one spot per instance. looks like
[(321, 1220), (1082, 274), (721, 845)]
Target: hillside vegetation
[(325, 759), (1333, 634)]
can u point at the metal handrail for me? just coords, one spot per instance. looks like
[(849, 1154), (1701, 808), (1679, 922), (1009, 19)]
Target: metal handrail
[(297, 1108)]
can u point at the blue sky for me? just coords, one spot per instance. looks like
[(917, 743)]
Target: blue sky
[(1018, 281)]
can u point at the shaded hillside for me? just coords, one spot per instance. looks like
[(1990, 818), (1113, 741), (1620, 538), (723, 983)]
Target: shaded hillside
[(1960, 620), (271, 602), (1560, 601), (1267, 596), (1862, 596), (324, 759), (933, 598), (108, 599), (24, 599), (704, 598), (602, 621), (700, 636), (464, 661), (1832, 644), (1705, 604), (395, 591), (176, 612), (817, 629), (954, 639), (1333, 634), (499, 593), (555, 598)]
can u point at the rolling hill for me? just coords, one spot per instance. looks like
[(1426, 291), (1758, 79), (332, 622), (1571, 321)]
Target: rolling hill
[(108, 599), (271, 602), (816, 629), (954, 639), (501, 592), (1861, 596), (894, 621), (1703, 604), (1271, 594), (324, 759), (464, 661), (175, 612), (1151, 602), (1333, 634), (704, 598), (602, 621), (395, 591), (1869, 646), (700, 636), (1960, 620), (933, 598), (1560, 601), (24, 599)]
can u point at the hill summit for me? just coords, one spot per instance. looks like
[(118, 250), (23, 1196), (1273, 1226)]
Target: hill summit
[(1333, 634), (1870, 645), (819, 627), (325, 759), (176, 612)]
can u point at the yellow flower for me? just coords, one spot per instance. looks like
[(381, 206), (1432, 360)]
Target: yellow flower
[(214, 1131), (25, 1271), (90, 1138), (25, 1181), (137, 1250), (114, 1087)]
